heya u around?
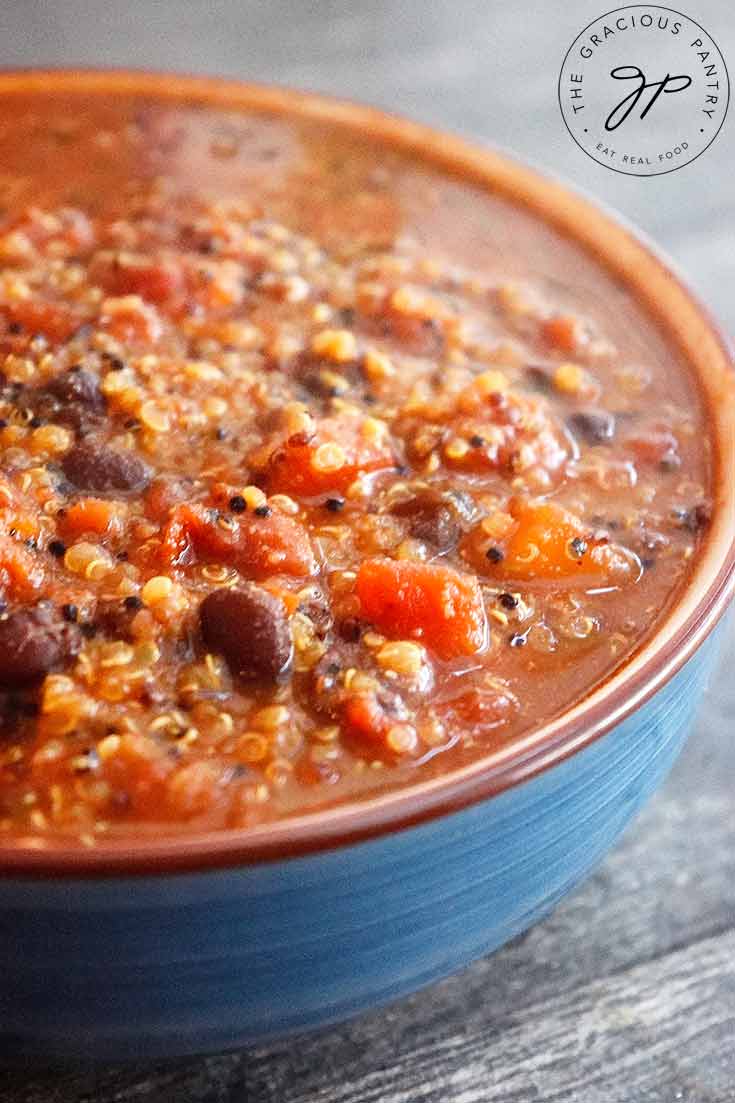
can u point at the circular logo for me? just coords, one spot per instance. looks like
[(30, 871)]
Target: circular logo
[(644, 90)]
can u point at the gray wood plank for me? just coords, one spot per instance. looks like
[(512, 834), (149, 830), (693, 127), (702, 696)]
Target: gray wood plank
[(669, 888), (655, 1033)]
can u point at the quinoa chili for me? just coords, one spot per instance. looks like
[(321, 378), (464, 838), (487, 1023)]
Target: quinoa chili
[(320, 471)]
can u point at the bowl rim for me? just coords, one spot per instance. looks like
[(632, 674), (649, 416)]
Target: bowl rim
[(624, 252)]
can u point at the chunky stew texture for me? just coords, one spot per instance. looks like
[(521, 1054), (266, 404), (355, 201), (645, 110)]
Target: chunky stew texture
[(321, 472)]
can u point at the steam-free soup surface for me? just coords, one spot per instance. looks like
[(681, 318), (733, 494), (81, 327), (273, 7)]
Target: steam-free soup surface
[(321, 472)]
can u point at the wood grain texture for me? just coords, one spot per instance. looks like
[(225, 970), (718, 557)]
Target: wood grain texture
[(627, 993)]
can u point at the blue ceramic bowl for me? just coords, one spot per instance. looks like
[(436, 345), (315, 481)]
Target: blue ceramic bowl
[(181, 946)]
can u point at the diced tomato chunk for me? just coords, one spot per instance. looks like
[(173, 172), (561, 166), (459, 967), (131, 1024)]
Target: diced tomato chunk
[(428, 601), (54, 321), (563, 332), (162, 495), (192, 790), (131, 318), (656, 445), (480, 708), (258, 546), (97, 515), (365, 718), (138, 769), (157, 280), (342, 448), (21, 576)]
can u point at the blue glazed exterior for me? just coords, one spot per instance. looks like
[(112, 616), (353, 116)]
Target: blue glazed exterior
[(177, 964)]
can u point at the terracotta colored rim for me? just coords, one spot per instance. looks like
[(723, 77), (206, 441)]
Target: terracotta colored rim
[(680, 315)]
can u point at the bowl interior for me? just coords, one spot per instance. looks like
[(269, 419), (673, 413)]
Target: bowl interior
[(685, 322)]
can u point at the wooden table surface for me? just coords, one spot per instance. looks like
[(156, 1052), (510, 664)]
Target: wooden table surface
[(627, 993)]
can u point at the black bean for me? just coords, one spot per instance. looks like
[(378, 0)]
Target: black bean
[(115, 617), (350, 629), (33, 642), (96, 467), (114, 363), (434, 517), (250, 628), (73, 398), (596, 426), (78, 386), (539, 377)]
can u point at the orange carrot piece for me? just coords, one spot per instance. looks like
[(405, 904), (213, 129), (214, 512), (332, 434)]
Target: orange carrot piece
[(546, 542), (430, 602)]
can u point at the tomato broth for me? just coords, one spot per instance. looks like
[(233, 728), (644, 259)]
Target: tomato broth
[(321, 470)]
